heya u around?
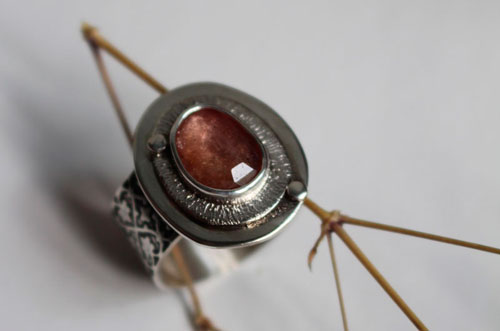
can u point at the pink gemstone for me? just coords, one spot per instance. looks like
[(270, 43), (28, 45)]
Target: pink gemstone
[(217, 151)]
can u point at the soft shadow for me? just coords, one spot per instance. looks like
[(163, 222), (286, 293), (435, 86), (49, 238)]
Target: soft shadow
[(69, 168), (87, 204)]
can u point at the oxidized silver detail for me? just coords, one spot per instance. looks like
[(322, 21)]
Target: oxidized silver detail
[(250, 205), (178, 205), (145, 229), (153, 239), (157, 143)]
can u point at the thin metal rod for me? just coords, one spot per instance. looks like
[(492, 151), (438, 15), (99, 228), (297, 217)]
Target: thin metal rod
[(337, 281), (112, 94), (92, 35), (337, 228), (390, 228)]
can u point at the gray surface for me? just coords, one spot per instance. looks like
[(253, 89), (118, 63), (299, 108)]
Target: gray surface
[(396, 105)]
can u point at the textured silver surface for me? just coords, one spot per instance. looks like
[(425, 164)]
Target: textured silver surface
[(148, 233), (228, 221), (153, 239), (246, 208)]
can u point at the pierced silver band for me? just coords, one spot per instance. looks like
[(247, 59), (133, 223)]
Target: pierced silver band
[(153, 239)]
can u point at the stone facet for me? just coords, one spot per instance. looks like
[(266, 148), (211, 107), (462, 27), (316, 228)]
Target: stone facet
[(217, 151)]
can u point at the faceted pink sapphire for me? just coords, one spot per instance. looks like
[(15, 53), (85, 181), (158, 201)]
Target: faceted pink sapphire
[(217, 151)]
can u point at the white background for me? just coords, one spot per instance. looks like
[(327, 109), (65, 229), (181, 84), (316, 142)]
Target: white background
[(396, 104)]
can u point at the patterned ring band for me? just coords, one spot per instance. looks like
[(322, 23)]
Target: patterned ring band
[(153, 239)]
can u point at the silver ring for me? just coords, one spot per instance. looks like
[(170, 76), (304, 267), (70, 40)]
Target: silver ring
[(215, 166)]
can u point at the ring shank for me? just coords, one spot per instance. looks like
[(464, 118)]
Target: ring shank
[(153, 239)]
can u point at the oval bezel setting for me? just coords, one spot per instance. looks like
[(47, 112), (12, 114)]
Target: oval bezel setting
[(249, 218), (215, 192)]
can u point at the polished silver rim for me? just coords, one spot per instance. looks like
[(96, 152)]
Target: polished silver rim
[(252, 217)]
